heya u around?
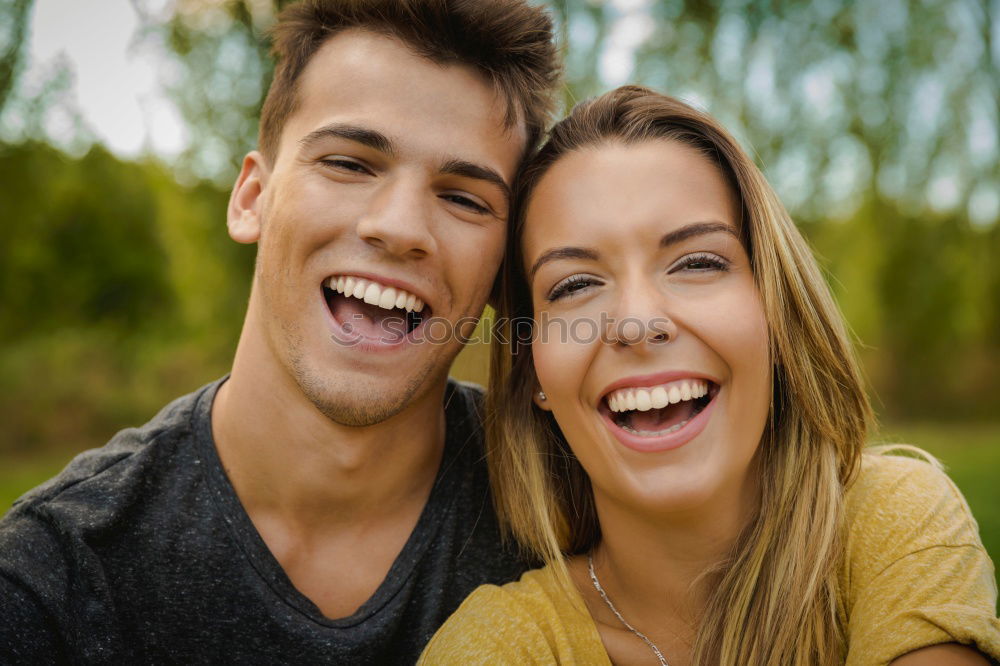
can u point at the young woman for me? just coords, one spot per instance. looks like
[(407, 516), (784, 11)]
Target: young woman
[(678, 431)]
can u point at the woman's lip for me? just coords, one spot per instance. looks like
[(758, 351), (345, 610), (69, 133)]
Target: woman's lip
[(666, 442), (641, 381)]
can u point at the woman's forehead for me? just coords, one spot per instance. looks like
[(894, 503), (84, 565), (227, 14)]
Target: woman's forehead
[(604, 191)]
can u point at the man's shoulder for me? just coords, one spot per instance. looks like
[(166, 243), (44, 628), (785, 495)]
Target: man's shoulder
[(470, 393), (95, 483), (463, 404)]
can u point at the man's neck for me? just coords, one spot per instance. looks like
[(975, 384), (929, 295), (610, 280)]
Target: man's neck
[(287, 459), (335, 504)]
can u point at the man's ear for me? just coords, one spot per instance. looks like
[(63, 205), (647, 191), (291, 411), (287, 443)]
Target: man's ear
[(245, 201)]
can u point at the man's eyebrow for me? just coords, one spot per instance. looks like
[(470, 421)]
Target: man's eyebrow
[(562, 253), (467, 169), (363, 135), (696, 229)]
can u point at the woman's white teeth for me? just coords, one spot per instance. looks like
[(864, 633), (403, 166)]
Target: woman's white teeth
[(655, 433), (375, 293), (658, 397)]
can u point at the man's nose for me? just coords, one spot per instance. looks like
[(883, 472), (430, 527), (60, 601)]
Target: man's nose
[(398, 220)]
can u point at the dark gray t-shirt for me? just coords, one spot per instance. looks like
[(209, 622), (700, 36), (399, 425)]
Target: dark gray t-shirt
[(140, 552)]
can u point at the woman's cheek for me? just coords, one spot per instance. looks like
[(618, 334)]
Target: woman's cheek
[(561, 350)]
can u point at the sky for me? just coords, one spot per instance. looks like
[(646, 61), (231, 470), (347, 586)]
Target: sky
[(117, 78)]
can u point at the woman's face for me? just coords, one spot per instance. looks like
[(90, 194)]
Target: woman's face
[(652, 347)]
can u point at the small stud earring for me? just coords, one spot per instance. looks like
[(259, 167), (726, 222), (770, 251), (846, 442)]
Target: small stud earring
[(542, 396)]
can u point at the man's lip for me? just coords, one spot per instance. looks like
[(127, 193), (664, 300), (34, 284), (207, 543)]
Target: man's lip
[(388, 282), (655, 379), (358, 342)]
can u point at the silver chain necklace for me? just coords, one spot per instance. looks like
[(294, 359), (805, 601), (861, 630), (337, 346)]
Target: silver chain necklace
[(604, 595)]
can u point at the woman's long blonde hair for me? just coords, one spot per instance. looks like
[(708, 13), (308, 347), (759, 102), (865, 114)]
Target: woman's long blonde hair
[(774, 599)]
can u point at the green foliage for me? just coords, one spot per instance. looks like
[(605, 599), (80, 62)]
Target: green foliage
[(81, 244), (121, 290), (13, 28), (224, 72), (920, 293)]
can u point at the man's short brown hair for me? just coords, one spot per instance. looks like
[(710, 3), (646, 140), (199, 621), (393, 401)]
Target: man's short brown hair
[(509, 42)]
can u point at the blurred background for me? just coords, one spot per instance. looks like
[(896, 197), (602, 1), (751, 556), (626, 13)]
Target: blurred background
[(122, 124)]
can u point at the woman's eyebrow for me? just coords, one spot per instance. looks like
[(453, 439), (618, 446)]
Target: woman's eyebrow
[(567, 252), (696, 229), (676, 236)]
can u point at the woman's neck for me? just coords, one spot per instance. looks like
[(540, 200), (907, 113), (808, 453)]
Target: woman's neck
[(657, 570)]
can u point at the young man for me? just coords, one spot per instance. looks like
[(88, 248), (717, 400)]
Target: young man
[(327, 501)]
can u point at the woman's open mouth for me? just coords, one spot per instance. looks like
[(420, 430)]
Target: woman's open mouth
[(369, 311), (660, 417)]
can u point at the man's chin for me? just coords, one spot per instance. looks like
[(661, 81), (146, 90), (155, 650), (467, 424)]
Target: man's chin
[(359, 415), (362, 403)]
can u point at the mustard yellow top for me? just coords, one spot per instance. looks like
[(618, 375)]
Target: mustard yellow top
[(915, 574)]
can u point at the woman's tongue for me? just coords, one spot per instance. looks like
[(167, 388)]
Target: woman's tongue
[(367, 320), (655, 420)]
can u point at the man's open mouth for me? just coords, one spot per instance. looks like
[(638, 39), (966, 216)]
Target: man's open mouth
[(372, 311), (655, 411)]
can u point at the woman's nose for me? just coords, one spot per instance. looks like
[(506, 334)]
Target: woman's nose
[(642, 318)]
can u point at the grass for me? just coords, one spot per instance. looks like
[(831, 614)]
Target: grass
[(971, 454)]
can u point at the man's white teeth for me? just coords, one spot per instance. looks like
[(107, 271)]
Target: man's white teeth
[(374, 293), (644, 399)]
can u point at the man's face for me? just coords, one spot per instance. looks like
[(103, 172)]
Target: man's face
[(392, 173)]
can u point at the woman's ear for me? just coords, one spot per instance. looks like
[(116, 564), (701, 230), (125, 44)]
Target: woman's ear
[(245, 202), (541, 400)]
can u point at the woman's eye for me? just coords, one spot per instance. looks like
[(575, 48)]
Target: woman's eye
[(465, 202), (570, 286), (700, 263)]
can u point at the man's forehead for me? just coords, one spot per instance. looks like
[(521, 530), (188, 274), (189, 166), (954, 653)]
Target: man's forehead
[(374, 83)]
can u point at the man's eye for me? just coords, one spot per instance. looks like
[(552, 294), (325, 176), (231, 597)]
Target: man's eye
[(465, 202), (346, 165)]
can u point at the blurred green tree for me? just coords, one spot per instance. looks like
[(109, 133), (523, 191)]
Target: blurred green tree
[(80, 243), (13, 30), (877, 121)]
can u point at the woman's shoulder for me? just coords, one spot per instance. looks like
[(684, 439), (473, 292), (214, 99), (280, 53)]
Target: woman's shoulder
[(534, 620), (908, 498), (915, 572)]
